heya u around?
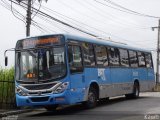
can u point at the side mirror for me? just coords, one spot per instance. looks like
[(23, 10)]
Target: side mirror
[(6, 60)]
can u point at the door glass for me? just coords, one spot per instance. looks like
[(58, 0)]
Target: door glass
[(75, 59)]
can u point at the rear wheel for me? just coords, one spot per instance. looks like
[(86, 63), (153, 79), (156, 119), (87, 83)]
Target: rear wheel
[(135, 93), (92, 98), (51, 107)]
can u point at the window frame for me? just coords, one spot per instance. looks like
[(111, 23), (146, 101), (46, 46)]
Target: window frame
[(130, 59), (150, 59), (106, 50), (127, 56), (142, 53), (94, 57), (79, 72)]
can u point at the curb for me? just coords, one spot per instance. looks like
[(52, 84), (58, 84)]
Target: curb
[(5, 114)]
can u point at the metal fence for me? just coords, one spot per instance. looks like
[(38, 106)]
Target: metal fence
[(7, 94)]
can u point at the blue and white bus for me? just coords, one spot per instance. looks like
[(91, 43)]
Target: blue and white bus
[(62, 69)]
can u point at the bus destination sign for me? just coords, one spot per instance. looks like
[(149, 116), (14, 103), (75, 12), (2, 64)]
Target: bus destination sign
[(39, 42)]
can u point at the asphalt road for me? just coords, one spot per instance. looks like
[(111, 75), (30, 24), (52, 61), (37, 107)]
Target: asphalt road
[(147, 107)]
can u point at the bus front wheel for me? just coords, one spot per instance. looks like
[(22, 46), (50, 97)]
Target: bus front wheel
[(92, 98)]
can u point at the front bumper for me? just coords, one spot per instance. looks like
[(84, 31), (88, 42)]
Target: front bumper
[(43, 100)]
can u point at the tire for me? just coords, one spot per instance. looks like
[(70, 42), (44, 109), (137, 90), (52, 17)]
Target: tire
[(135, 93), (51, 107), (92, 98)]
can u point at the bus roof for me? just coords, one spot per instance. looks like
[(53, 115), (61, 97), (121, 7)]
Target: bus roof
[(97, 41)]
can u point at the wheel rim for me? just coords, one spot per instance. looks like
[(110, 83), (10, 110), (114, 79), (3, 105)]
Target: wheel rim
[(91, 98)]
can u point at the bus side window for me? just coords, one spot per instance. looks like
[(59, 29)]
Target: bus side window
[(75, 58), (133, 58), (148, 60), (88, 55), (114, 57), (124, 58), (101, 56), (141, 59)]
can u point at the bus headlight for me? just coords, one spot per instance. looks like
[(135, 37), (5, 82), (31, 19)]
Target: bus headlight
[(20, 92), (61, 88)]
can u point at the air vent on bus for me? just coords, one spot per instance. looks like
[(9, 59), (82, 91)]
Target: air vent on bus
[(39, 99)]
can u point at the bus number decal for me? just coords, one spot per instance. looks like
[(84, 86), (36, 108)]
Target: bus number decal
[(101, 74)]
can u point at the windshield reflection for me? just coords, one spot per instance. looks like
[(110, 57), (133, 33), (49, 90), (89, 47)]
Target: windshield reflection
[(40, 64)]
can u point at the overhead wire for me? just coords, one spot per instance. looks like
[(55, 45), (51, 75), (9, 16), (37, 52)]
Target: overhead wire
[(62, 22), (75, 10), (51, 23), (72, 21), (19, 15), (84, 24), (111, 16), (9, 7), (123, 9), (39, 23), (44, 19), (132, 11), (50, 17), (17, 12), (108, 16), (102, 23), (115, 16), (37, 9)]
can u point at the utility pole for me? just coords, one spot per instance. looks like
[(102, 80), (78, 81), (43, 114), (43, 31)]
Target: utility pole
[(158, 50), (29, 14), (28, 18)]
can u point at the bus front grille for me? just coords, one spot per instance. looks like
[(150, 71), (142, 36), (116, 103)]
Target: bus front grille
[(39, 86), (41, 93)]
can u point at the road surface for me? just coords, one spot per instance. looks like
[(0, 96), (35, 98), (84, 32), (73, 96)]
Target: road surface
[(147, 107)]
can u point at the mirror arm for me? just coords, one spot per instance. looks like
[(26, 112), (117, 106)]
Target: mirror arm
[(12, 49), (6, 58)]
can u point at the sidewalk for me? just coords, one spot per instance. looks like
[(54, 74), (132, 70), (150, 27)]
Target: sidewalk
[(8, 112)]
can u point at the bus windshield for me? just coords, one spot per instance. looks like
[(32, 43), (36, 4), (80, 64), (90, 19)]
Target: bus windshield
[(43, 64)]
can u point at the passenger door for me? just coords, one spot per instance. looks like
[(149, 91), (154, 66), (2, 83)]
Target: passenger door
[(77, 81)]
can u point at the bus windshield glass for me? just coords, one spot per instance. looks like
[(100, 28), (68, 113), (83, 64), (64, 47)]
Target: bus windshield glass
[(40, 58), (40, 64)]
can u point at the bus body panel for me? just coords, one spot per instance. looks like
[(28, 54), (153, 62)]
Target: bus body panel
[(90, 76), (121, 78), (105, 83), (150, 74), (77, 86)]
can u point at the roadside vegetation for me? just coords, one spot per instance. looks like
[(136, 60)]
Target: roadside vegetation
[(7, 74), (7, 94)]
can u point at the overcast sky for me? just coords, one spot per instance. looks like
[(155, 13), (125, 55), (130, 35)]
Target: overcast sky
[(94, 16)]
